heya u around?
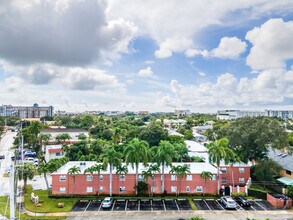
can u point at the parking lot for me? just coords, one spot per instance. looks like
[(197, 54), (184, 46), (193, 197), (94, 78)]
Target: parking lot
[(211, 204), (133, 205)]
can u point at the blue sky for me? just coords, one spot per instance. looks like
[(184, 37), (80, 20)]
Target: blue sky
[(141, 55)]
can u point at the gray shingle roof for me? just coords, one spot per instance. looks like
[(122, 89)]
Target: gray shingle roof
[(284, 159)]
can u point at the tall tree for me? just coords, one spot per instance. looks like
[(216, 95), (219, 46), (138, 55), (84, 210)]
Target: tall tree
[(135, 152), (43, 169), (91, 170), (25, 172), (206, 175), (218, 151), (113, 159), (180, 171), (163, 155), (61, 138), (72, 172), (99, 168), (121, 170), (153, 168)]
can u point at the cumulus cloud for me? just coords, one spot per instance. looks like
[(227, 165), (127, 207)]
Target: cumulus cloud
[(272, 44), (229, 48), (270, 86), (147, 72), (61, 32)]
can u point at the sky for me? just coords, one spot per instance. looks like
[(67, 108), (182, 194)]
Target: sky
[(134, 55)]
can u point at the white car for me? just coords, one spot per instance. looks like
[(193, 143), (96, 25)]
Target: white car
[(228, 202), (107, 202)]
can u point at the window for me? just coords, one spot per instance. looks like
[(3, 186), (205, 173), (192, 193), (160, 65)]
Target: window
[(89, 178), (189, 177), (241, 180), (198, 189), (122, 177), (140, 178), (59, 154), (162, 189), (101, 189), (241, 169), (173, 188), (62, 178), (153, 177), (187, 188), (173, 177), (161, 177), (122, 189), (223, 169), (89, 189), (62, 189), (153, 189), (288, 172), (224, 180), (101, 177), (214, 177)]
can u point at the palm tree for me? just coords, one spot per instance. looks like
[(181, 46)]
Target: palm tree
[(154, 168), (232, 159), (91, 171), (43, 169), (61, 138), (81, 137), (163, 155), (98, 168), (181, 150), (121, 170), (135, 152), (25, 172), (44, 139), (174, 171), (206, 175), (146, 174), (218, 151), (113, 158), (182, 171), (73, 171)]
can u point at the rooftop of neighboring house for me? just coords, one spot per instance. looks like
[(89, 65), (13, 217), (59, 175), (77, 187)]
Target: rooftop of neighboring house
[(195, 168), (63, 130), (282, 158), (54, 148), (175, 133), (194, 146)]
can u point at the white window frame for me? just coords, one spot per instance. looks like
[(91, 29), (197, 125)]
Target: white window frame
[(187, 188), (241, 180), (89, 178), (241, 169), (62, 178), (140, 178), (173, 188), (101, 188), (223, 169), (153, 177), (122, 177), (173, 177), (122, 189), (101, 177), (189, 177), (89, 189), (224, 182), (62, 189), (214, 177), (198, 189), (152, 189)]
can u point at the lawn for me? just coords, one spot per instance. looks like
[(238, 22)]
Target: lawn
[(3, 202), (48, 204)]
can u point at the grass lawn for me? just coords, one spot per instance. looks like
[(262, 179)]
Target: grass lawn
[(260, 187), (3, 202), (48, 204)]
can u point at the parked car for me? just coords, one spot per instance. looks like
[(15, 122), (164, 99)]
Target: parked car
[(29, 159), (243, 202), (2, 157), (228, 202), (107, 202)]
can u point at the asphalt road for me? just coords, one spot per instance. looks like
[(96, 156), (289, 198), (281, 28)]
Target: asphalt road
[(5, 144)]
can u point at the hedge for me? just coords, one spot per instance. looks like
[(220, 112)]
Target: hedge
[(257, 193)]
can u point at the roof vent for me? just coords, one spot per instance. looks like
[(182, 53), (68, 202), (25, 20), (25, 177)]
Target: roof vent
[(284, 155), (280, 154)]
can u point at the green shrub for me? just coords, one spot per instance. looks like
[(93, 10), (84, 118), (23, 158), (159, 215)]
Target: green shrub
[(196, 218), (235, 194)]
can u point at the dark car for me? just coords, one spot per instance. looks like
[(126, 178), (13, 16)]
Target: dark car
[(2, 157), (242, 201)]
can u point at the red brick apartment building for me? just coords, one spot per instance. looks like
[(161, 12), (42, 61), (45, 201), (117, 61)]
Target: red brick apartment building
[(82, 184)]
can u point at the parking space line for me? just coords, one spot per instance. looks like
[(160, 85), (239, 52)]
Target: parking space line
[(163, 200), (138, 204), (126, 204), (113, 205), (207, 205), (87, 206), (261, 206), (220, 204), (252, 208), (151, 205), (176, 204), (100, 206)]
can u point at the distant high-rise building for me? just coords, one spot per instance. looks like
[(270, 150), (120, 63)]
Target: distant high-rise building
[(8, 110), (34, 111), (180, 113)]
